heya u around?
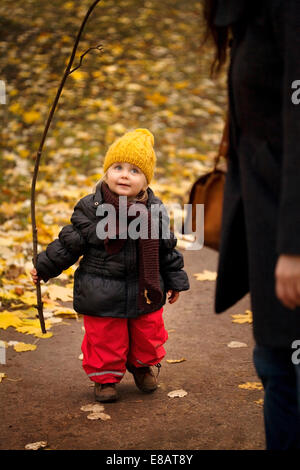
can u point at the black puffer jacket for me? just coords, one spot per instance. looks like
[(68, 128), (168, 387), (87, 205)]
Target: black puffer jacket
[(104, 284)]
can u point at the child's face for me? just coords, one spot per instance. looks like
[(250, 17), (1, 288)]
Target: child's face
[(125, 179)]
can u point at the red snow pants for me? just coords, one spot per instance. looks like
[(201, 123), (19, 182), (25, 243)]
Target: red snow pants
[(110, 342)]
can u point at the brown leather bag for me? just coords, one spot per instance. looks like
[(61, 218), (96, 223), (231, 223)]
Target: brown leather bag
[(209, 190)]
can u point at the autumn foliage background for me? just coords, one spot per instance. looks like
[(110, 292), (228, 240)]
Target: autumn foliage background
[(153, 73)]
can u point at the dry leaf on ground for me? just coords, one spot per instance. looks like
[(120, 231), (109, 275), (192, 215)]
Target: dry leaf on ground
[(94, 407), (177, 393), (69, 312), (31, 326), (251, 386), (206, 276), (259, 402), (176, 361), (2, 376), (9, 319), (19, 320), (55, 320), (36, 445), (243, 317), (102, 416), (58, 292), (20, 347), (237, 344)]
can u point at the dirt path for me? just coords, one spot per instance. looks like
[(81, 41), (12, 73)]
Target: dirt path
[(215, 413)]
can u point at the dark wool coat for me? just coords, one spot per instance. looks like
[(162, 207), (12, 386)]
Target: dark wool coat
[(261, 213), (104, 284)]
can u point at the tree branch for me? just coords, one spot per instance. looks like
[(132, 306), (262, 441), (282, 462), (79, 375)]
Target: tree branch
[(39, 154), (100, 49)]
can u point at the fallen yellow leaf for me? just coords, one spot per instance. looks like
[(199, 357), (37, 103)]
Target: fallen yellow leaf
[(69, 271), (36, 445), (68, 5), (175, 361), (32, 327), (96, 415), (9, 319), (206, 276), (65, 311), (19, 320), (16, 108), (58, 292), (251, 386), (243, 318), (236, 344), (259, 402), (31, 116), (2, 376), (78, 75), (48, 303), (181, 85), (156, 98), (177, 393), (20, 347), (93, 407), (28, 298), (6, 241), (39, 334)]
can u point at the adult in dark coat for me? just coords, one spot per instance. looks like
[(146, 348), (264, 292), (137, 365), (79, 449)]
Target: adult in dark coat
[(260, 243)]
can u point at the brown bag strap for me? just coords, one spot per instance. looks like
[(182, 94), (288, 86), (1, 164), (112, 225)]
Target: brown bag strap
[(224, 145)]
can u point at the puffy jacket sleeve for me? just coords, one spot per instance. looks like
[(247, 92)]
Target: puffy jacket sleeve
[(171, 261), (85, 220), (71, 243), (60, 254)]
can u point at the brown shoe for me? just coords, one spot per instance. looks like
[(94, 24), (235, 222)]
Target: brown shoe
[(144, 378), (105, 392)]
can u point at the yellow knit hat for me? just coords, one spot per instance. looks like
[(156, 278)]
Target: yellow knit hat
[(135, 147)]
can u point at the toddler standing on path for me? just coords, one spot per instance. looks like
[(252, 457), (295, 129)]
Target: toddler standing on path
[(122, 280)]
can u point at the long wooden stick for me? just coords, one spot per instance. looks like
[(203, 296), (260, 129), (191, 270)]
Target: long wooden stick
[(39, 153)]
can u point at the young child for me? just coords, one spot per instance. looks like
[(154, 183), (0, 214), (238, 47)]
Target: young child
[(121, 283)]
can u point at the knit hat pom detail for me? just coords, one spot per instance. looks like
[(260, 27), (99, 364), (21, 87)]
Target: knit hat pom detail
[(146, 132)]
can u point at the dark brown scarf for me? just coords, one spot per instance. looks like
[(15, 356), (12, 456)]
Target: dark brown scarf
[(149, 285)]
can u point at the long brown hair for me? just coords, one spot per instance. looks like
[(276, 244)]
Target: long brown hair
[(219, 35)]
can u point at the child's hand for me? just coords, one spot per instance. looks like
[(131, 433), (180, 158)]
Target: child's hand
[(34, 275), (173, 296)]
